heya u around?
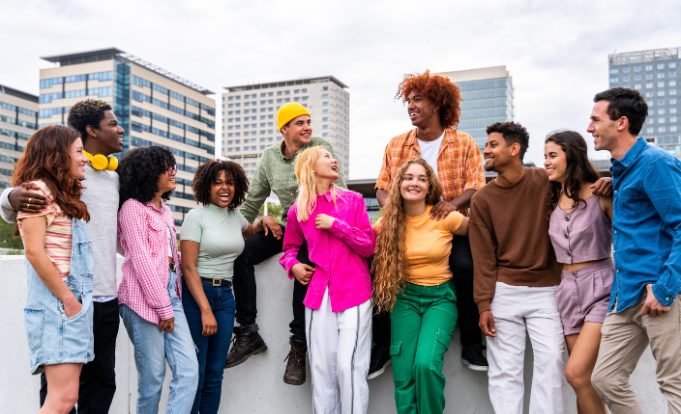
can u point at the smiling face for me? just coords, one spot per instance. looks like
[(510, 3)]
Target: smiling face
[(222, 190), (603, 129), (497, 152), (78, 160), (421, 109), (415, 184), (555, 161), (166, 181), (298, 132), (326, 166), (108, 135)]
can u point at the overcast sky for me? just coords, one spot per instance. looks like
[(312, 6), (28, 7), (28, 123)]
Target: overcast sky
[(556, 52)]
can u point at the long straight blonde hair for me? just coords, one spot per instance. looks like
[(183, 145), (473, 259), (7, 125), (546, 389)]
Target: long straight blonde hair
[(304, 168)]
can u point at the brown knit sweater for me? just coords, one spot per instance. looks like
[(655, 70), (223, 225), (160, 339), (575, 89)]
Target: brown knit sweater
[(509, 236)]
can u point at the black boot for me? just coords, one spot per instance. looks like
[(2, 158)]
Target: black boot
[(243, 346), (295, 363)]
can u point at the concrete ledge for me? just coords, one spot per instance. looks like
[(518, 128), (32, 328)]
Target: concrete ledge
[(255, 386)]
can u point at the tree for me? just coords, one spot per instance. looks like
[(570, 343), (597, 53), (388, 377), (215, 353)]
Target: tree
[(8, 237)]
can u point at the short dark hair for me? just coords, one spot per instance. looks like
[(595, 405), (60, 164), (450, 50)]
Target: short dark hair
[(513, 133), (625, 102), (88, 112), (139, 171), (208, 172)]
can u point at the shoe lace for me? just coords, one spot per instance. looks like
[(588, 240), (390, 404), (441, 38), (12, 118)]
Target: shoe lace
[(296, 356)]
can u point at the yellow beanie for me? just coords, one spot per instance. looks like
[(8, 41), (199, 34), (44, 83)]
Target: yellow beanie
[(288, 111)]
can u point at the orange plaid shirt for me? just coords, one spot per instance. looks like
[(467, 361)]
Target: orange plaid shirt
[(459, 162)]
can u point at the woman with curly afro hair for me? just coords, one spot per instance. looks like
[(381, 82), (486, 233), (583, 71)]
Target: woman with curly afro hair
[(412, 280), (150, 293), (212, 238)]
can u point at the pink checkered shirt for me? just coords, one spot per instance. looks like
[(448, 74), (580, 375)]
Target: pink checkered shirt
[(143, 234)]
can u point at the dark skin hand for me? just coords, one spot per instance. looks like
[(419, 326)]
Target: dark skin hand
[(167, 325), (26, 199)]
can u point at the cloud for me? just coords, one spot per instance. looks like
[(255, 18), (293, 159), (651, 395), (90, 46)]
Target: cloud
[(556, 52)]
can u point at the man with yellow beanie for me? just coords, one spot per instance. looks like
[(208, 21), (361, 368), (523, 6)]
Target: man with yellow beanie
[(274, 174)]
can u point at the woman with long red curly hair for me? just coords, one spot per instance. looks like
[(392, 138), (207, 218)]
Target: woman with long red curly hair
[(58, 311)]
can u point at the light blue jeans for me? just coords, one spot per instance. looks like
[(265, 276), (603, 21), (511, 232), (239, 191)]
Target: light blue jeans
[(153, 348)]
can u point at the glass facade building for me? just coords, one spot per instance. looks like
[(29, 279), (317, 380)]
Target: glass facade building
[(656, 73), (249, 117), (487, 97), (154, 106), (18, 120)]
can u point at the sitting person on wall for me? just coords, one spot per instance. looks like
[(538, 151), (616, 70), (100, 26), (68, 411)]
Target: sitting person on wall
[(412, 280)]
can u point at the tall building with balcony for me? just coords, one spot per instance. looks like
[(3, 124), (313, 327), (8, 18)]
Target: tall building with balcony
[(656, 73), (18, 120), (249, 112), (153, 105), (487, 97)]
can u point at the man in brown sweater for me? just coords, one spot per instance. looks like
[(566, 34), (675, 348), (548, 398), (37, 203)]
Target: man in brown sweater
[(516, 276)]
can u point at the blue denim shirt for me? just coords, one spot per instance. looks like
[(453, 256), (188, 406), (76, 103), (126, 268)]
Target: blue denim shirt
[(646, 225)]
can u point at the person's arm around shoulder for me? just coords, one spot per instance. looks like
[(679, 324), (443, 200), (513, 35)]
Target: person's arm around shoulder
[(359, 236), (134, 228), (189, 246), (606, 206), (456, 223), (293, 239), (384, 176), (662, 185), (26, 198)]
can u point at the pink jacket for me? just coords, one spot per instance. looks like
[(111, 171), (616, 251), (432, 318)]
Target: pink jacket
[(143, 234), (339, 254)]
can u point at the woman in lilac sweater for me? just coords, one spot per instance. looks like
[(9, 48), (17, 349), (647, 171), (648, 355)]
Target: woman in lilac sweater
[(335, 225)]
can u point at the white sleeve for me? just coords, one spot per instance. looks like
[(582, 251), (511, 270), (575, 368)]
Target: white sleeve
[(6, 211)]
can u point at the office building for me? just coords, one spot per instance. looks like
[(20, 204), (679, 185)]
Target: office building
[(656, 73), (249, 113), (487, 97), (18, 120), (153, 105)]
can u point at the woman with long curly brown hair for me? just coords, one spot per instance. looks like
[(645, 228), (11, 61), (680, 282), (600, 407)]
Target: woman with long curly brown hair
[(58, 312), (412, 275)]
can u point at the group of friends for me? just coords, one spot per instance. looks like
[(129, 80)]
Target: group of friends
[(557, 254)]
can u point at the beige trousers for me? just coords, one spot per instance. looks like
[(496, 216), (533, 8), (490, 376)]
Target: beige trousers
[(625, 336)]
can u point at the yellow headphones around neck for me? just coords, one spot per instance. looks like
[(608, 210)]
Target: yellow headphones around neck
[(101, 162)]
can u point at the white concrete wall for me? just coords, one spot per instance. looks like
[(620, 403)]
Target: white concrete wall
[(255, 386)]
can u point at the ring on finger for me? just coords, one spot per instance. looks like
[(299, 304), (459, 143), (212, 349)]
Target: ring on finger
[(28, 205), (29, 200)]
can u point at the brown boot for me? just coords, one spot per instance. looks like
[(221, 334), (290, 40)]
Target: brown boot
[(295, 365)]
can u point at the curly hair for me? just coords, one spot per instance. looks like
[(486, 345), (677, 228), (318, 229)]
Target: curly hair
[(578, 170), (303, 168), (390, 264), (513, 133), (88, 112), (47, 157), (208, 173), (139, 171), (444, 94)]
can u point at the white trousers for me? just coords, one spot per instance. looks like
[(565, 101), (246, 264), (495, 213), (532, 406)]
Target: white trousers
[(519, 311), (339, 351)]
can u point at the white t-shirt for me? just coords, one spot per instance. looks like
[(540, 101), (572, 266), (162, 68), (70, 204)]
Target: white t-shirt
[(430, 149)]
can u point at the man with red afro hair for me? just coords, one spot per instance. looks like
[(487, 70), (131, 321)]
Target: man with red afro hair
[(433, 106)]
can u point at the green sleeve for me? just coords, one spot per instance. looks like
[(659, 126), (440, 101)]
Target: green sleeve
[(258, 191)]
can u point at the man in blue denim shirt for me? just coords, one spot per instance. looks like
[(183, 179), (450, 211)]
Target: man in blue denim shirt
[(644, 304)]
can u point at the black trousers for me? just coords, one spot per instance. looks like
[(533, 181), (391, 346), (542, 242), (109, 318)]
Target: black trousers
[(461, 264), (259, 248), (98, 377)]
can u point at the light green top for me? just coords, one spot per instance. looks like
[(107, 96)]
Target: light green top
[(274, 174), (219, 234)]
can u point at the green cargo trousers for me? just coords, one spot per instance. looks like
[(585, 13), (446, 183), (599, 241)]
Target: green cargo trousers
[(423, 321)]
